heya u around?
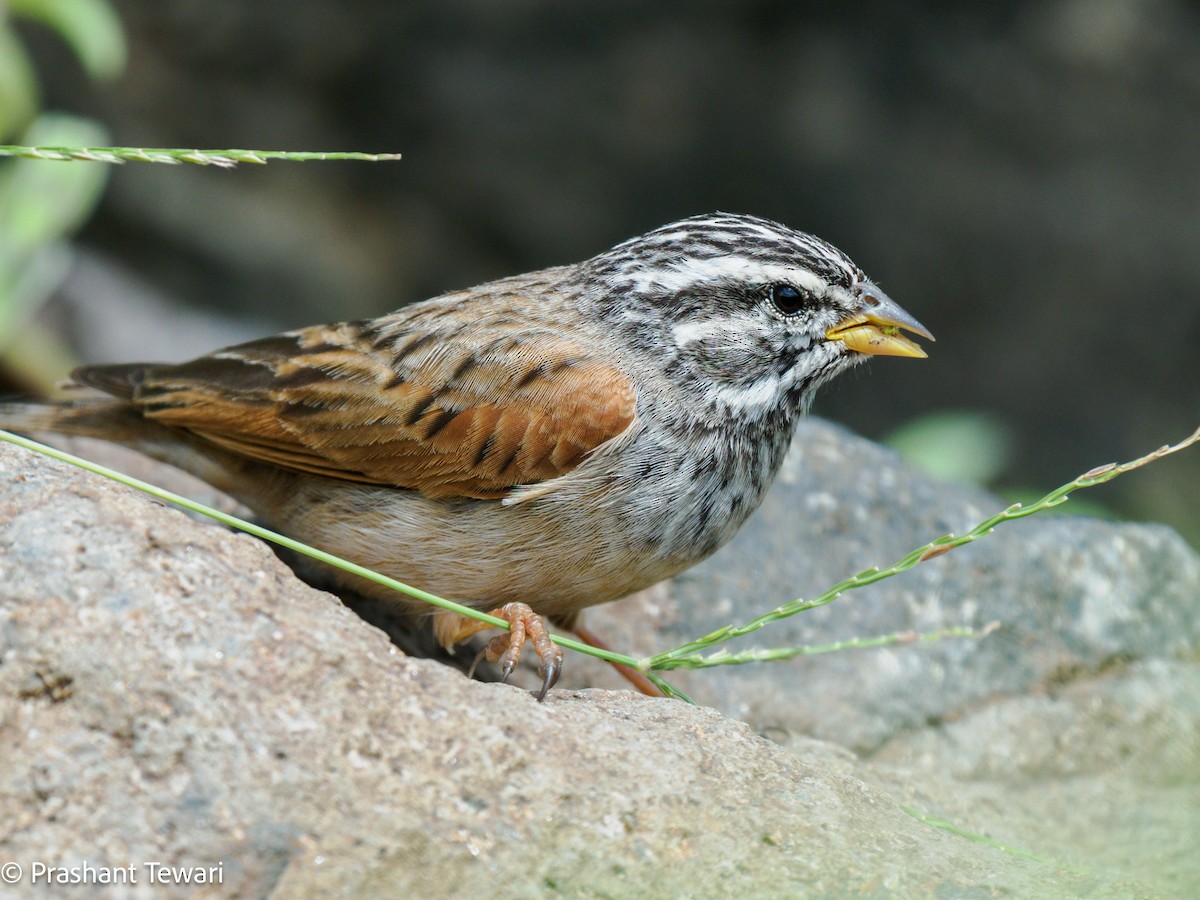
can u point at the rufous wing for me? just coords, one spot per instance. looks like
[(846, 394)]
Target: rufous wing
[(408, 401)]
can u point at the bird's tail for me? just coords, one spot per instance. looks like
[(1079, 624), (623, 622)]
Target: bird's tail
[(96, 402), (117, 422), (102, 418)]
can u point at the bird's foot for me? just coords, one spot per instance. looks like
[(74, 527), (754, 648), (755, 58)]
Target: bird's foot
[(505, 649)]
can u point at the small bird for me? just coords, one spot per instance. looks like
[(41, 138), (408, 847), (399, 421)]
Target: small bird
[(531, 446)]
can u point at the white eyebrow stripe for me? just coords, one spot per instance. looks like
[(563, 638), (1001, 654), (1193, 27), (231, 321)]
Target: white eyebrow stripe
[(759, 393), (690, 272), (694, 331)]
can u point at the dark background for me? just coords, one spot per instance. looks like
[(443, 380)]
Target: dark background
[(1025, 179)]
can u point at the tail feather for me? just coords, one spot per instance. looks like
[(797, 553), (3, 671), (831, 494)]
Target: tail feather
[(119, 423), (109, 420), (86, 413), (120, 380)]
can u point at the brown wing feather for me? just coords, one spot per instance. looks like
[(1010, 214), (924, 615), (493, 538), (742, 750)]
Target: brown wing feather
[(404, 401)]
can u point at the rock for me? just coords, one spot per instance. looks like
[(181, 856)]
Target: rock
[(1101, 772), (1070, 595), (1082, 699), (170, 693)]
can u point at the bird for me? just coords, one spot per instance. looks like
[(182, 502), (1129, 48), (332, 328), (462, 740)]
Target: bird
[(530, 446)]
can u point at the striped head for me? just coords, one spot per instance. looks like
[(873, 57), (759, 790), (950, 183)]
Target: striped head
[(755, 314)]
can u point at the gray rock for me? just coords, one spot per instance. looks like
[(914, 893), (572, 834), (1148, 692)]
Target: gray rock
[(169, 692), (1071, 595), (1101, 773), (1077, 718)]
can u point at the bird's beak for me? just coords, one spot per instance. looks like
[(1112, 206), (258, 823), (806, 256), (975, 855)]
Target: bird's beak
[(875, 327)]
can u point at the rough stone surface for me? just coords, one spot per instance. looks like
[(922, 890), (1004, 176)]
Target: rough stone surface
[(1071, 595), (170, 692)]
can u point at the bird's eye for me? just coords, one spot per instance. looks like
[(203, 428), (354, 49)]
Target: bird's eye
[(786, 298)]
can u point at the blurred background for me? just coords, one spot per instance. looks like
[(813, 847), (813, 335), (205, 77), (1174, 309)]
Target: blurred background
[(1022, 177)]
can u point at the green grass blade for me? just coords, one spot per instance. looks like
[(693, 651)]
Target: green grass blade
[(226, 159)]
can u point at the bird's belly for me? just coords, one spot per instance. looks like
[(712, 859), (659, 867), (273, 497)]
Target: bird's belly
[(559, 555)]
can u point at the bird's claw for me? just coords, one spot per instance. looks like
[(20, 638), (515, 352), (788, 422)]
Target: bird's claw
[(550, 669), (505, 649)]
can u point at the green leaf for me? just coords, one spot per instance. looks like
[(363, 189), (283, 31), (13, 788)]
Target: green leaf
[(40, 203), (40, 206), (90, 27), (18, 85)]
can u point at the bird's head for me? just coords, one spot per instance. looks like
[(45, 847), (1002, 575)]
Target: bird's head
[(759, 313)]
